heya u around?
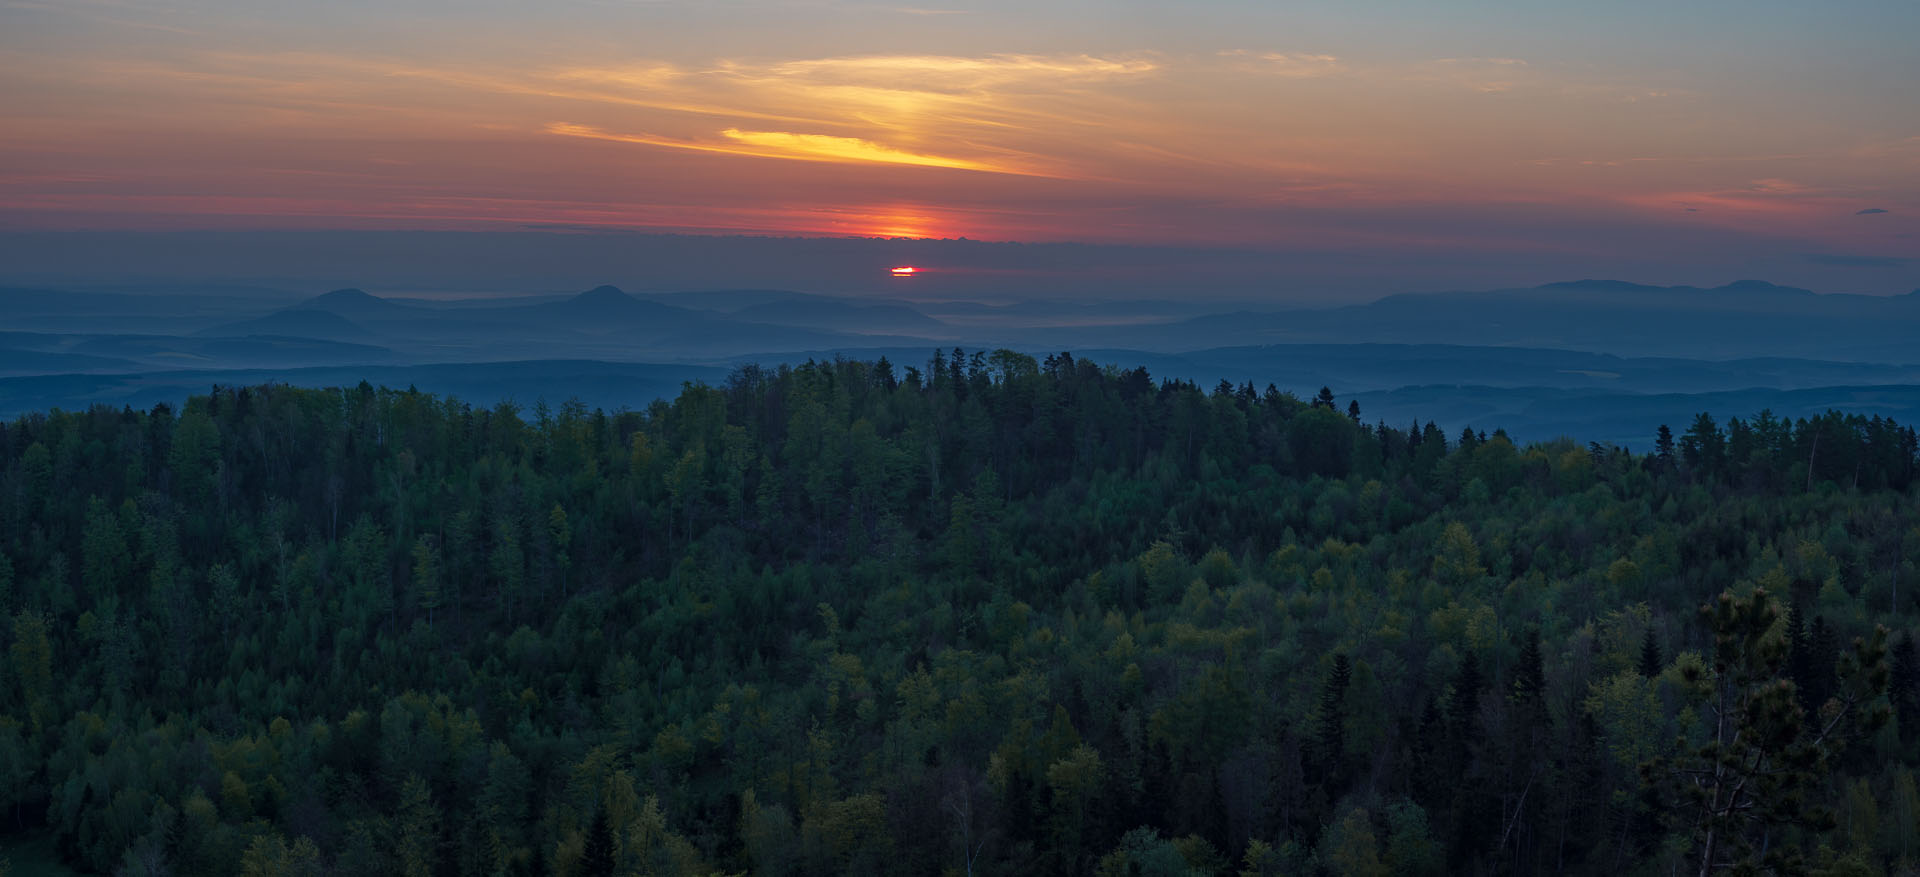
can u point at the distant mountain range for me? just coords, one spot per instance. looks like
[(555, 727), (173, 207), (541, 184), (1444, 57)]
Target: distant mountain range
[(604, 321), (1746, 319), (1542, 358)]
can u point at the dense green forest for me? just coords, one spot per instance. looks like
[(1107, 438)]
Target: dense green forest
[(988, 615)]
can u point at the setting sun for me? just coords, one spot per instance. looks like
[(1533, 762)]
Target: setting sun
[(905, 271)]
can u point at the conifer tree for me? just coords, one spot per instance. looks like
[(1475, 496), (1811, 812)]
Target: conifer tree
[(1903, 686), (1764, 753), (1529, 673), (426, 575), (597, 860), (561, 532), (1330, 730), (419, 829), (1650, 661)]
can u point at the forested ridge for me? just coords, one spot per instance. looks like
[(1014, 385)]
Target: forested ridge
[(986, 615)]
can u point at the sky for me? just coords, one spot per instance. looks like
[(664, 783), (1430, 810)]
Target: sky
[(1348, 148)]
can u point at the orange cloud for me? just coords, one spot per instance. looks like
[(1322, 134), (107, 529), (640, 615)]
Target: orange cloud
[(792, 146), (1109, 144)]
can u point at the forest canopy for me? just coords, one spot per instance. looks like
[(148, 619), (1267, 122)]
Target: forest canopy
[(987, 614)]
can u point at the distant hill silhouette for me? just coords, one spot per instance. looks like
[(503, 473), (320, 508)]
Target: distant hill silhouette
[(351, 303), (603, 304), (1586, 335), (1744, 319), (605, 322)]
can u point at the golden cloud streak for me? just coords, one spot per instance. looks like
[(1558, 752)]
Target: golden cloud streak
[(794, 147), (1009, 111), (900, 94)]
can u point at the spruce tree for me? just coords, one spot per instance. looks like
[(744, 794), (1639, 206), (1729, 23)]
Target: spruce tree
[(1903, 686), (1650, 660), (1823, 647), (1529, 673), (1330, 733), (1464, 705), (597, 860)]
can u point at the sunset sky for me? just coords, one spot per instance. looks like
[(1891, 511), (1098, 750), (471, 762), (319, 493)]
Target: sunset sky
[(1720, 139)]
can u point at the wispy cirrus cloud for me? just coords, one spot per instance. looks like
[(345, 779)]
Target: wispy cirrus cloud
[(1496, 62), (888, 90), (993, 113), (1288, 65), (1766, 200), (1770, 195), (1776, 186), (950, 73), (792, 146)]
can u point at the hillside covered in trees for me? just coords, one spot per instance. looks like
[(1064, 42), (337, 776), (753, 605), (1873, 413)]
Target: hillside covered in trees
[(987, 615)]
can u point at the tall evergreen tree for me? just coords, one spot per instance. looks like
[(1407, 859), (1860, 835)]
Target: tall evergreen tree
[(1817, 671), (1463, 705), (1529, 671), (597, 858), (418, 843), (426, 575), (1330, 729), (1650, 661), (1703, 447), (1903, 686)]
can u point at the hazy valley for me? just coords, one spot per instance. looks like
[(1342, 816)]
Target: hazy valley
[(1593, 359)]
